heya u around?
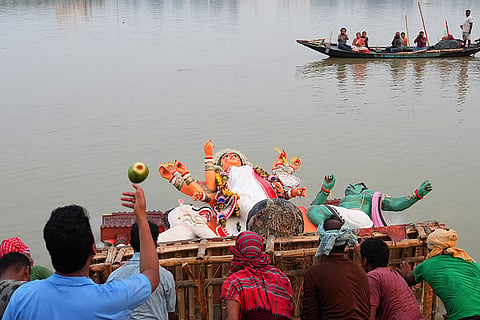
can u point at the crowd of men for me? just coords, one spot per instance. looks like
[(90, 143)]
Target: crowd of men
[(334, 287)]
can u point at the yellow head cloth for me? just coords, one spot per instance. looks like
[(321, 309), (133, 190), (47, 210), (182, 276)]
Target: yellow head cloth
[(444, 242)]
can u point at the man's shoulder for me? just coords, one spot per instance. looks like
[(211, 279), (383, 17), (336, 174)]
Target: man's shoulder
[(165, 274)]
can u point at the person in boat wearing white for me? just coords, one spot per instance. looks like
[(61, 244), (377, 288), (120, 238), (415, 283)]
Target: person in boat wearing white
[(234, 186), (69, 293), (361, 207), (467, 27)]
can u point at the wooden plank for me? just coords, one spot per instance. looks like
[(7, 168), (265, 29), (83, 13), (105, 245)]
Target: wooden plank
[(191, 303), (210, 291)]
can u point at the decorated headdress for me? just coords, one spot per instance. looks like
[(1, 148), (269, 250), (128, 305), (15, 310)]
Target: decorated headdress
[(217, 157), (444, 242)]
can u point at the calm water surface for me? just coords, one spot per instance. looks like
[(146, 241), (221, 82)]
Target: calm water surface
[(89, 87)]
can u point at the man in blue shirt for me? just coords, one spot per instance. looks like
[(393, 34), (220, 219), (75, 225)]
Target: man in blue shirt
[(161, 304), (69, 293)]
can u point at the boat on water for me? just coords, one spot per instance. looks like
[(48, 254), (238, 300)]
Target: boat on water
[(201, 266), (436, 51)]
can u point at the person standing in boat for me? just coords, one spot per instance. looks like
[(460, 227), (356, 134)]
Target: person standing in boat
[(342, 40), (453, 275), (421, 41), (467, 29)]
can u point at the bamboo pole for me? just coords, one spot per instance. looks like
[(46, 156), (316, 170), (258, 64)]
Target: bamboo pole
[(210, 292), (423, 22), (408, 35)]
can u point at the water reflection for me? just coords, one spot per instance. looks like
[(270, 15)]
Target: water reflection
[(422, 76), (419, 68)]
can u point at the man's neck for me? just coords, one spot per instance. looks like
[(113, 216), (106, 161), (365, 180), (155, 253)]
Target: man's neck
[(84, 272)]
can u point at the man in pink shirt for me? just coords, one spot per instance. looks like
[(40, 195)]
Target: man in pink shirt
[(390, 296)]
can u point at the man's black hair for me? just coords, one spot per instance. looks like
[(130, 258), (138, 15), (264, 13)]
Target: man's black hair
[(16, 260), (376, 252), (135, 236), (69, 238)]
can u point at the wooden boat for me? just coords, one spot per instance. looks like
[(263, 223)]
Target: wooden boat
[(331, 49), (201, 266)]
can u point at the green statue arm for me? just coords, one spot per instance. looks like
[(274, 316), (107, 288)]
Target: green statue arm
[(317, 213), (322, 195), (402, 203)]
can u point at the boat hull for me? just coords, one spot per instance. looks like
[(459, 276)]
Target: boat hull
[(333, 51)]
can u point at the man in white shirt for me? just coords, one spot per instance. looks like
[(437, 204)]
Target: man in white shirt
[(467, 27), (161, 304)]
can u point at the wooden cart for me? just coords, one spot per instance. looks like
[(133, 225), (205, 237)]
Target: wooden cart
[(200, 267)]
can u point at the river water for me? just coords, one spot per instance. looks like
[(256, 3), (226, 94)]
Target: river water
[(89, 87)]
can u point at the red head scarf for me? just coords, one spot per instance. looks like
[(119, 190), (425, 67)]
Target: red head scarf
[(248, 252)]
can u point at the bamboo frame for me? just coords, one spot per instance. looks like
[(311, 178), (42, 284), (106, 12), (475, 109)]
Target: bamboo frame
[(200, 267)]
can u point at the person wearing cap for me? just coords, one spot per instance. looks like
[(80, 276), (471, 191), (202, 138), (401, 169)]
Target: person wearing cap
[(335, 287), (254, 289), (15, 244), (453, 275)]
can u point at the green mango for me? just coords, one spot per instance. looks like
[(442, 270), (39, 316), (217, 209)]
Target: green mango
[(138, 172)]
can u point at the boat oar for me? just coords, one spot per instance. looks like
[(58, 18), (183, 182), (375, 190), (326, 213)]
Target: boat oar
[(423, 22), (448, 32)]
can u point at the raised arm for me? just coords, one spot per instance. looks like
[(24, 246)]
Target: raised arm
[(148, 253), (402, 203), (328, 184), (209, 166)]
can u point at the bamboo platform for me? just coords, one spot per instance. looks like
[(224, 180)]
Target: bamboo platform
[(200, 267)]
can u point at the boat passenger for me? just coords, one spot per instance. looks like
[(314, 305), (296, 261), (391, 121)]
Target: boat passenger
[(14, 271), (397, 43), (359, 44), (467, 29), (335, 287), (342, 40), (254, 289), (405, 40), (161, 304), (69, 293), (421, 41), (453, 275), (364, 36), (390, 296)]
